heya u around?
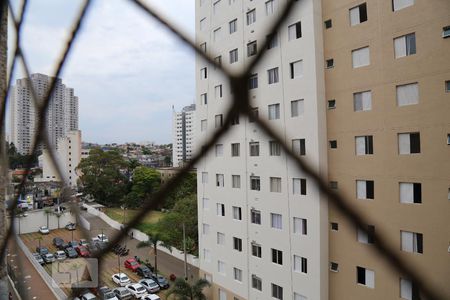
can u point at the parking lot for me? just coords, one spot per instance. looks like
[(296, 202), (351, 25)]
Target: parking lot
[(110, 262)]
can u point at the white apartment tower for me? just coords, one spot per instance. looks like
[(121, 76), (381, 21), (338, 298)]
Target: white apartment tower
[(61, 118), (183, 131), (263, 227)]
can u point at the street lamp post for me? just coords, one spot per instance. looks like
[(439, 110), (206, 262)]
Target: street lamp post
[(185, 254)]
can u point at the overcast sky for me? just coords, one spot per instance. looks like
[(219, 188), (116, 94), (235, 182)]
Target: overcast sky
[(126, 69)]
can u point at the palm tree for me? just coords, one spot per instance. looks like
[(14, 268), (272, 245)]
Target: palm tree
[(153, 241), (182, 290)]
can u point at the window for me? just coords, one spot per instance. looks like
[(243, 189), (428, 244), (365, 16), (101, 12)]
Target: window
[(235, 120), (364, 145), (233, 56), (273, 41), (203, 125), (203, 73), (448, 138), (218, 121), (409, 290), (207, 255), (217, 61), (333, 185), (405, 45), (328, 24), (446, 32), (297, 108), (277, 291), (411, 241), (447, 86), (255, 216), (274, 148), (219, 150), (400, 4), (202, 2), (251, 17), (299, 297), (276, 221), (334, 226), (235, 149), (366, 237), (205, 228), (237, 274), (329, 63), (365, 277), (275, 184), (251, 48), (237, 244), (273, 75), (237, 213), (216, 6), (253, 115), (236, 181), (362, 101), (256, 250), (217, 34), (220, 238), (203, 24), (298, 146), (204, 98), (218, 91), (274, 111), (333, 144), (254, 148), (295, 31), (299, 186), (220, 209), (205, 203), (203, 47), (361, 57), (409, 143), (300, 264), (410, 192), (255, 184), (334, 267), (300, 226), (332, 104), (296, 69), (219, 180), (253, 81), (221, 269), (256, 283), (358, 14), (233, 26), (277, 256), (407, 94), (204, 177), (364, 189), (270, 7)]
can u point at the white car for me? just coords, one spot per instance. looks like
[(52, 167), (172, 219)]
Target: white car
[(150, 285), (44, 230), (121, 279), (60, 255), (137, 290), (87, 296), (151, 297), (102, 237)]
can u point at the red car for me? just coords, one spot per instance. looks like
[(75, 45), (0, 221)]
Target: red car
[(83, 251), (131, 264)]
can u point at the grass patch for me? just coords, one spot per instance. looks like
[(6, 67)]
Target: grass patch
[(118, 215)]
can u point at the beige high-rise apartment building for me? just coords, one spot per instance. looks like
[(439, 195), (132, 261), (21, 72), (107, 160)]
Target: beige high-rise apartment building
[(388, 124)]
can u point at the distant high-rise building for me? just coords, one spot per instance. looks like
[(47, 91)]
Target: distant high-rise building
[(183, 131), (62, 114)]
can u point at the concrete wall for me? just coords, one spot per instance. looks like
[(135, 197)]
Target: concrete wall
[(37, 218)]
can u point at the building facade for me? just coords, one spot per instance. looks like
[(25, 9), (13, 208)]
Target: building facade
[(388, 98), (62, 115), (183, 132), (263, 228)]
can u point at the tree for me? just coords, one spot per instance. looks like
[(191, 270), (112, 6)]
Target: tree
[(188, 186), (182, 290), (104, 176), (155, 239), (146, 181)]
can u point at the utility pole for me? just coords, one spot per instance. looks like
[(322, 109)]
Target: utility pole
[(185, 254)]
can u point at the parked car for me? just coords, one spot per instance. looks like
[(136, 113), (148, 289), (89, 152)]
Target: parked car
[(44, 230), (70, 226), (60, 255), (102, 237), (83, 242), (71, 253), (92, 247), (38, 258), (42, 250), (87, 296), (150, 285), (151, 297), (82, 251), (73, 244), (122, 293), (121, 279), (58, 242), (48, 258), (101, 245), (95, 239), (144, 271), (137, 290), (63, 246), (105, 293), (131, 264), (161, 281)]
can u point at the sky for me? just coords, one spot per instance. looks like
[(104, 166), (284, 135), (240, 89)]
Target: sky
[(126, 69)]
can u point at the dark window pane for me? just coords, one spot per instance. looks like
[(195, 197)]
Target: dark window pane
[(363, 12), (361, 275), (417, 193), (415, 142), (369, 189)]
